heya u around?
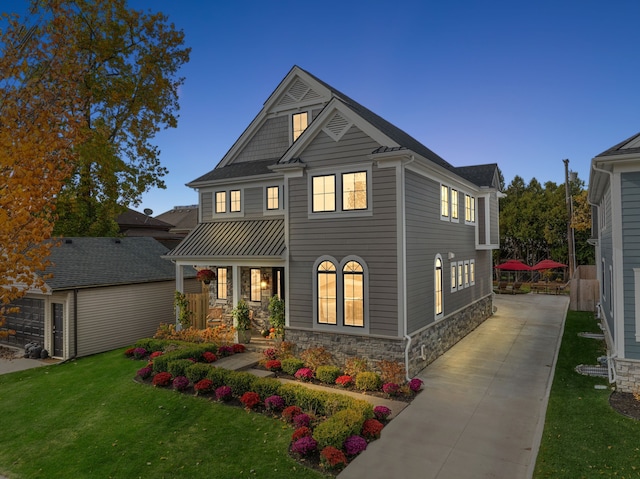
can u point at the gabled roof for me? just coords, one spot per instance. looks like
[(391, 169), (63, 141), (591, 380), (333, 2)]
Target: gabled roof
[(481, 175), (238, 239), (182, 218), (91, 262), (133, 219), (237, 170)]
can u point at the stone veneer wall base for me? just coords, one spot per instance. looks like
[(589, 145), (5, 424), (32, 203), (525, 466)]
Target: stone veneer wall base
[(436, 339), (627, 375)]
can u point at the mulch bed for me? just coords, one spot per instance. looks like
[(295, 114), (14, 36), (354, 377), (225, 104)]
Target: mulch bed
[(625, 404), (8, 353)]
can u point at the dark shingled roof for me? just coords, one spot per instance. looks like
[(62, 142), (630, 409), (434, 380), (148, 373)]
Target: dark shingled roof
[(618, 150), (242, 238), (90, 262), (481, 175), (237, 170)]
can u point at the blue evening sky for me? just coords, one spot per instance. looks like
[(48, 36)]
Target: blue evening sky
[(520, 84)]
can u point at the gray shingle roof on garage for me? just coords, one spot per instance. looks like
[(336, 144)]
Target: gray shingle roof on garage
[(237, 239)]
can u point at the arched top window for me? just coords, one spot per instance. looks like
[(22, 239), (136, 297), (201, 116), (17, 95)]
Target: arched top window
[(353, 267), (438, 293), (326, 266)]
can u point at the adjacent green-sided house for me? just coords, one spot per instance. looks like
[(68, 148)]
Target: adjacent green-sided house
[(105, 293), (614, 192), (379, 247)]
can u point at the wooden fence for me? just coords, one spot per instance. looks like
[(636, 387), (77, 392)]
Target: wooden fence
[(198, 305)]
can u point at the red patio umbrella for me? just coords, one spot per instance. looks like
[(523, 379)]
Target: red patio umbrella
[(548, 264), (513, 265)]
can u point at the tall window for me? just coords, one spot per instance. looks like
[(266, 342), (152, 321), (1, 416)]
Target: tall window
[(460, 275), (353, 278), (221, 202), (354, 191), (327, 293), (324, 193), (438, 286), (466, 274), (472, 272), (273, 198), (469, 209), (300, 122), (255, 285), (222, 283), (235, 201), (444, 201), (454, 204), (454, 277)]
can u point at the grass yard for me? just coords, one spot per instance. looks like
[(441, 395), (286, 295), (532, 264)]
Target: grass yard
[(89, 419), (583, 436)]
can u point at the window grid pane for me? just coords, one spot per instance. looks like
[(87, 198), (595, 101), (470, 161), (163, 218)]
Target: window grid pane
[(324, 193), (353, 294), (438, 286), (327, 293), (444, 200), (454, 204), (235, 201), (273, 198), (221, 202), (354, 191), (222, 283), (300, 123), (255, 285)]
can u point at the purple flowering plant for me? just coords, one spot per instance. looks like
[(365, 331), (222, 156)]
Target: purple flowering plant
[(305, 446), (415, 384), (181, 383), (223, 393), (354, 445), (381, 412), (274, 403)]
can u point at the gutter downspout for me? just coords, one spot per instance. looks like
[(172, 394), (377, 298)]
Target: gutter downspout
[(404, 266)]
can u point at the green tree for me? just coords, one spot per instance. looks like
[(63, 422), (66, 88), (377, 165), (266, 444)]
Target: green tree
[(129, 92)]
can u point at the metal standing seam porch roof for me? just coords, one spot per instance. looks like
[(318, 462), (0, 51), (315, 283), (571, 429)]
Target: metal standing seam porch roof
[(263, 238)]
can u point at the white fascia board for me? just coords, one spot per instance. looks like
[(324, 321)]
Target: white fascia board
[(429, 169)]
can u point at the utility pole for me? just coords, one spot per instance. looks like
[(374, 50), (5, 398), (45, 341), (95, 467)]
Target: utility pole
[(570, 241)]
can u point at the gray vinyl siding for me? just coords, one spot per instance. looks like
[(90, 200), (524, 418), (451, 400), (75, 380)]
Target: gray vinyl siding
[(271, 141), (206, 205), (427, 236), (253, 202), (482, 221), (117, 316), (372, 238), (630, 190), (494, 217)]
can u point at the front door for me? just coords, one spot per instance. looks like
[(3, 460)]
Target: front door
[(58, 321)]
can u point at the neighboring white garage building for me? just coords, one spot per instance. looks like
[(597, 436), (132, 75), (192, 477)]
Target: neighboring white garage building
[(105, 293)]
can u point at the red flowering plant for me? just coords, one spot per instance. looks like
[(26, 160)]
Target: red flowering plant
[(304, 446), (332, 458), (129, 352), (416, 384), (223, 393), (392, 389), (371, 429), (162, 379), (301, 432), (354, 445), (180, 383), (224, 351), (209, 357), (155, 354), (205, 275), (270, 353), (381, 412), (304, 374), (344, 381), (238, 348), (273, 365), (290, 412), (250, 400), (203, 386)]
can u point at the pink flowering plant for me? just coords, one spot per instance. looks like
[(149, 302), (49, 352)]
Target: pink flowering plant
[(381, 412), (354, 445), (371, 429), (274, 403), (304, 374), (223, 393), (225, 351), (392, 389), (139, 353), (155, 354), (291, 412), (302, 420), (416, 384), (270, 354), (301, 432), (304, 446), (145, 372), (181, 383)]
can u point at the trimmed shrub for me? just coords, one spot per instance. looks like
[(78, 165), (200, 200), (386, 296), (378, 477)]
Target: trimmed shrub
[(327, 374), (353, 366), (291, 365), (197, 371), (322, 403), (368, 381), (178, 367), (267, 387), (240, 382), (335, 430), (218, 376), (153, 345), (187, 351)]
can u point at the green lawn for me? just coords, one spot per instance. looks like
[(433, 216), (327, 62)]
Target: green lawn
[(89, 419), (583, 437)]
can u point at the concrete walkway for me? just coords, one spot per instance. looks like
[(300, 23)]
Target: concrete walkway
[(482, 411)]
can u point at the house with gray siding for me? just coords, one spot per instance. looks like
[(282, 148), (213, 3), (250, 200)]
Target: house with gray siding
[(614, 192), (379, 247), (99, 294)]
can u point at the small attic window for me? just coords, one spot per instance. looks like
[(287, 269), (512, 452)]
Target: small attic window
[(299, 123)]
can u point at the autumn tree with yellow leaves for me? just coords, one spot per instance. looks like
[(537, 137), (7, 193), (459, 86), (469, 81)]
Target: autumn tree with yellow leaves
[(84, 87)]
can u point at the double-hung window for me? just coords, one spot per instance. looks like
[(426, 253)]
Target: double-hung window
[(221, 201), (341, 192), (353, 279), (299, 123), (235, 201), (324, 193), (222, 283), (354, 191), (469, 209), (256, 286), (273, 198), (444, 202), (454, 205), (438, 293)]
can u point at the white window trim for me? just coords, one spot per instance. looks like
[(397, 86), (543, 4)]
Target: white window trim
[(340, 327), (337, 173), (455, 207), (454, 277), (437, 315), (460, 275), (473, 210), (467, 274), (472, 272)]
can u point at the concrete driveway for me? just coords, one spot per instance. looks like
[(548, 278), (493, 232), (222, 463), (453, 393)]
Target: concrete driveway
[(18, 363), (481, 413)]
